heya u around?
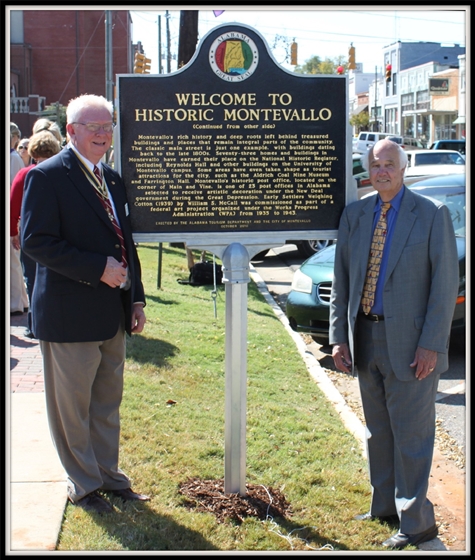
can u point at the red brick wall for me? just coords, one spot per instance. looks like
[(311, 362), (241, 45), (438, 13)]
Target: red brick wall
[(68, 51)]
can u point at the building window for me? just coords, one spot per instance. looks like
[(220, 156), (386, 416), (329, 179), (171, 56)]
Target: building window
[(444, 129), (16, 27), (391, 121), (423, 100), (407, 102)]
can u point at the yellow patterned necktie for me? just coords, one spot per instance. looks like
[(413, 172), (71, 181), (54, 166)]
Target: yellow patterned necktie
[(374, 262)]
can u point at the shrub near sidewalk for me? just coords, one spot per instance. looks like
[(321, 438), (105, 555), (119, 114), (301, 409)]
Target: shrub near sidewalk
[(172, 419)]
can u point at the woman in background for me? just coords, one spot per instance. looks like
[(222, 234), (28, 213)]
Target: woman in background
[(22, 149), (51, 126), (41, 146)]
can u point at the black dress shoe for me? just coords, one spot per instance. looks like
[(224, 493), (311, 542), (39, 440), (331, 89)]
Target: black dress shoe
[(401, 540), (369, 517), (94, 502), (28, 334), (127, 494)]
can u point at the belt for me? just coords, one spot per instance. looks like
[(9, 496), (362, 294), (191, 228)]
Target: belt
[(370, 317)]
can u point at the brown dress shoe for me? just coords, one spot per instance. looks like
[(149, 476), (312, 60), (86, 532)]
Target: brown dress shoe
[(127, 494), (94, 502)]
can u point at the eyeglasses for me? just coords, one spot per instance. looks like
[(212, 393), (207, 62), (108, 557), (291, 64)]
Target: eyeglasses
[(95, 127), (23, 147)]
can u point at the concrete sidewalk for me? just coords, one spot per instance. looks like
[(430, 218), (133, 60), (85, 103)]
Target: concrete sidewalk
[(37, 487)]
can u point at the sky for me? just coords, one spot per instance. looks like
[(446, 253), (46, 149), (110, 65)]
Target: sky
[(326, 32)]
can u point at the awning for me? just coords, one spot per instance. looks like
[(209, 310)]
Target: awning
[(359, 109), (459, 120)]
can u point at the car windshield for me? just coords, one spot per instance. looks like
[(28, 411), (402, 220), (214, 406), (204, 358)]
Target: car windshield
[(436, 158)]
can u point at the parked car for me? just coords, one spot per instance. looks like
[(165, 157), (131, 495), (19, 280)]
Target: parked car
[(307, 248), (412, 144), (408, 181), (308, 303), (360, 174), (458, 145), (366, 140), (434, 162)]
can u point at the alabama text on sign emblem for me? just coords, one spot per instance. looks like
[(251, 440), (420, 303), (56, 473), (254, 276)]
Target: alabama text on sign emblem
[(233, 56)]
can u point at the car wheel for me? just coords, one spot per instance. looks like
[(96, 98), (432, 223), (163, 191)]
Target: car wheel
[(308, 248)]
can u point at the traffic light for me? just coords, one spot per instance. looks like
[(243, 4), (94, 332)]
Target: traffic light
[(139, 63), (388, 72), (351, 58), (293, 54), (146, 65)]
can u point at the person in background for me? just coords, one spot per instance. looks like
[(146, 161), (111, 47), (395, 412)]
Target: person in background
[(88, 293), (22, 149), (18, 294), (42, 146), (397, 339), (52, 126), (16, 163)]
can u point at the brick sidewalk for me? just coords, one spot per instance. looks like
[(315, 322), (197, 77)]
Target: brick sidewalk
[(26, 363)]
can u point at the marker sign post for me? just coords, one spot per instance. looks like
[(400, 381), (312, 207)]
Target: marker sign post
[(234, 154)]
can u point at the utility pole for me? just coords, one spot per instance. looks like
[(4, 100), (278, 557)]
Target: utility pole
[(169, 54), (187, 39), (376, 125), (160, 69), (109, 60), (188, 36)]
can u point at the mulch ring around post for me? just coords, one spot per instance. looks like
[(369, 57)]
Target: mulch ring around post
[(209, 496)]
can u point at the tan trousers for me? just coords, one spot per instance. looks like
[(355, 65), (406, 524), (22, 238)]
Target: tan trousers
[(83, 389)]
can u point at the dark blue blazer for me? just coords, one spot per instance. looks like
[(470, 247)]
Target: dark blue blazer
[(65, 229)]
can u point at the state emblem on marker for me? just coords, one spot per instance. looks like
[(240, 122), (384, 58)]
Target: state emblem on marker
[(233, 56)]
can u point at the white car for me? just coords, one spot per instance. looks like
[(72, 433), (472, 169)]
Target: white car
[(434, 162), (367, 140)]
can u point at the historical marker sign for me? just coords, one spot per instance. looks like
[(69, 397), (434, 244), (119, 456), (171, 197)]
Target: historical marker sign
[(234, 143)]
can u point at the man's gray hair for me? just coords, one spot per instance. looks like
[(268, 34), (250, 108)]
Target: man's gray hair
[(77, 105), (369, 152)]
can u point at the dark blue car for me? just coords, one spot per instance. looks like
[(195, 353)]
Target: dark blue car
[(308, 303)]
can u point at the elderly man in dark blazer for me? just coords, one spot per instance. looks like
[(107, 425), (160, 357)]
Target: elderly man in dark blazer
[(398, 338), (88, 294)]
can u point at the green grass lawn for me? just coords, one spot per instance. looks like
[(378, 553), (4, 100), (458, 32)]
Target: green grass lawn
[(172, 419)]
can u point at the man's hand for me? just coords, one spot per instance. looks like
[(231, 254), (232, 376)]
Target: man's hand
[(114, 274), (425, 360), (138, 318), (342, 357)]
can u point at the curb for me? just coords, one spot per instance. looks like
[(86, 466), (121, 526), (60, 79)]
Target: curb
[(352, 423)]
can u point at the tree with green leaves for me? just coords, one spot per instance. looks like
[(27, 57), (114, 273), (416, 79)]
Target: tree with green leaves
[(316, 65), (360, 121)]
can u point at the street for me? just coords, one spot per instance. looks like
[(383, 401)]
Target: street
[(277, 269)]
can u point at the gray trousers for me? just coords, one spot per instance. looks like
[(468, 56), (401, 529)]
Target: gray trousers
[(400, 422), (83, 389)]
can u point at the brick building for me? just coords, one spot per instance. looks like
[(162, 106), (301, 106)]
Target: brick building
[(56, 55)]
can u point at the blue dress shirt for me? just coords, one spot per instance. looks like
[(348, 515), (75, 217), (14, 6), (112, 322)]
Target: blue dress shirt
[(377, 308)]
